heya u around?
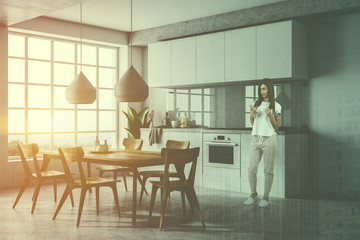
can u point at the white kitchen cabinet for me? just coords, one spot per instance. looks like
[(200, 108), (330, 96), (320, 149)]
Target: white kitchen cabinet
[(281, 50), (240, 54), (183, 61), (159, 60), (222, 178), (210, 58)]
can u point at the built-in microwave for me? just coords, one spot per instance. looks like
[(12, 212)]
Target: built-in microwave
[(221, 150)]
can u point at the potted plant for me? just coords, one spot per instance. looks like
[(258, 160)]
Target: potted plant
[(136, 121)]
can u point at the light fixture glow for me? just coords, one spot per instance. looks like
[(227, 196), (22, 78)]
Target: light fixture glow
[(131, 87), (80, 91)]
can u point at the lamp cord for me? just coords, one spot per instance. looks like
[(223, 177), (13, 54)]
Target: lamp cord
[(131, 33), (81, 32)]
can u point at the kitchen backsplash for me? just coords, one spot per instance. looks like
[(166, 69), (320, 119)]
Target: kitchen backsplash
[(226, 106)]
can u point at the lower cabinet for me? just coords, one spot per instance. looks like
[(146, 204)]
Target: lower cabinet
[(290, 169), (222, 178)]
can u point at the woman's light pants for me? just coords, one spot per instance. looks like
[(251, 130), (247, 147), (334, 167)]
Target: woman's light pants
[(266, 147)]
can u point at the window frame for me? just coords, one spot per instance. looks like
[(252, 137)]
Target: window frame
[(188, 92), (114, 132)]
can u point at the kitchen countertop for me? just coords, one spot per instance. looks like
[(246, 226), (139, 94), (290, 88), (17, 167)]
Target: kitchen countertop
[(281, 131)]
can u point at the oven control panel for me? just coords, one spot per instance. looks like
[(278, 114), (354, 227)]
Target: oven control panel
[(210, 137)]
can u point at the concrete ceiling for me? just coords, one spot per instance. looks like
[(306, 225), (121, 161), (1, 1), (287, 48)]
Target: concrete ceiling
[(16, 11), (116, 14)]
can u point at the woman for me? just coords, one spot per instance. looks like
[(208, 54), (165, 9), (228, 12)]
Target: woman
[(265, 119)]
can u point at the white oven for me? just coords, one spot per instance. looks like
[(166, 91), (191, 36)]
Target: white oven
[(221, 150)]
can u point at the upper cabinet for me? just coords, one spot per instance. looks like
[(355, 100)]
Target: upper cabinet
[(183, 61), (159, 59), (210, 58), (240, 54), (276, 51), (281, 51)]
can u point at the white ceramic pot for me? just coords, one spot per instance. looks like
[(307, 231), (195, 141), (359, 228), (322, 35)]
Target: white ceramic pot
[(175, 123)]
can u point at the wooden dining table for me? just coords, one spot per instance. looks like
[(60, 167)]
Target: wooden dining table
[(127, 158)]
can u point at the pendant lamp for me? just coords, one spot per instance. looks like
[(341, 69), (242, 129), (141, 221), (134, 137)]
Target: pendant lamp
[(80, 91), (131, 87)]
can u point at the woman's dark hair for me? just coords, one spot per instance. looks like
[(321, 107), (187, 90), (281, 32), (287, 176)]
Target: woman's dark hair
[(270, 87)]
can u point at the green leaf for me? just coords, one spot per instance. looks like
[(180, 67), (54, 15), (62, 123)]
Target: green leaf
[(129, 133), (132, 113), (143, 115), (136, 121), (127, 116)]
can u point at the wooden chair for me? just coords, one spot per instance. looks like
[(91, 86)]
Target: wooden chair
[(75, 154), (172, 144), (178, 157), (129, 144), (30, 151)]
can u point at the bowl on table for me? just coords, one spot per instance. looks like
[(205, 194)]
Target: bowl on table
[(175, 123)]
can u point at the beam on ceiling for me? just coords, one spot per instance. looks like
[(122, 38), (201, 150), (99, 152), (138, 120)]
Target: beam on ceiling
[(281, 11)]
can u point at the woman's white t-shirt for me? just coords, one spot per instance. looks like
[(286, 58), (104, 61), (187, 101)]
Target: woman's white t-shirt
[(262, 125)]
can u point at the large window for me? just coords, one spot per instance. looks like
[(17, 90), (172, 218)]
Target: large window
[(40, 69), (195, 103)]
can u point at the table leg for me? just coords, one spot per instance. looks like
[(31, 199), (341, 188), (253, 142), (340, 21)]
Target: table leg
[(135, 176), (89, 172)]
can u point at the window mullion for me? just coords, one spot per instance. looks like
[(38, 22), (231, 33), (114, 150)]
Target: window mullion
[(26, 92), (97, 92), (52, 137), (76, 108)]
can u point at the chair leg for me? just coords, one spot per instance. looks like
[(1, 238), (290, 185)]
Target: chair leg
[(22, 189), (97, 191), (35, 195), (67, 191), (195, 202), (125, 183), (164, 198), (142, 183), (162, 190), (71, 199), (116, 198), (152, 201), (142, 189), (81, 205), (183, 201), (55, 190)]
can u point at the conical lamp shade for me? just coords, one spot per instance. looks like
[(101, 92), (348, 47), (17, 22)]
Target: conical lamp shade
[(131, 87), (80, 91)]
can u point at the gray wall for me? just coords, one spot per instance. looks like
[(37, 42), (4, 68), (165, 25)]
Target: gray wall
[(335, 106)]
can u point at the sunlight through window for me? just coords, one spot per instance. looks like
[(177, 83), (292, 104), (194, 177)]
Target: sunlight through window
[(37, 80)]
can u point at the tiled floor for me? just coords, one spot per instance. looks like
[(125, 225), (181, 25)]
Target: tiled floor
[(225, 217)]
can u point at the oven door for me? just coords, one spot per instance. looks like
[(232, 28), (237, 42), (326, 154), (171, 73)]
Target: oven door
[(222, 154)]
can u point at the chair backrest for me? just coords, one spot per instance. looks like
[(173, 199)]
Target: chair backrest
[(72, 154), (180, 157), (173, 144), (132, 144), (27, 151)]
